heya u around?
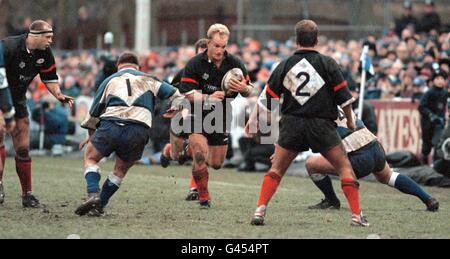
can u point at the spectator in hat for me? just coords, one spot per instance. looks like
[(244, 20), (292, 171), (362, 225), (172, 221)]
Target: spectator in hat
[(407, 19), (431, 19), (444, 64), (418, 89), (433, 108)]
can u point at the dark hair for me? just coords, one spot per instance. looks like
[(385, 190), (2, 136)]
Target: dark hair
[(128, 58), (201, 44), (307, 32)]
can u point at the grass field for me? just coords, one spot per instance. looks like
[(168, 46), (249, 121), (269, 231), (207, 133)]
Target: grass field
[(150, 204)]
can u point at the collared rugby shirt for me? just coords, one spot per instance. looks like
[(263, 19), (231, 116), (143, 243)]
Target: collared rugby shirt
[(22, 66), (128, 96), (201, 72), (311, 84)]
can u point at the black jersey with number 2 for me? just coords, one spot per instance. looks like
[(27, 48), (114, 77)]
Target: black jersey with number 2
[(311, 84)]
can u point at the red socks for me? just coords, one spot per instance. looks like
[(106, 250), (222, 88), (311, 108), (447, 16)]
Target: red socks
[(351, 191), (268, 188), (201, 179), (23, 169), (3, 155), (193, 184)]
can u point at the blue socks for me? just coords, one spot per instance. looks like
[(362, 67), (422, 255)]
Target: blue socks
[(407, 185), (110, 187), (325, 185), (92, 176)]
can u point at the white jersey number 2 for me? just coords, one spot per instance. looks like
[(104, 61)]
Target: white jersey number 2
[(303, 81)]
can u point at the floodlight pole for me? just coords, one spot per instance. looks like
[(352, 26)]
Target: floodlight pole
[(143, 25)]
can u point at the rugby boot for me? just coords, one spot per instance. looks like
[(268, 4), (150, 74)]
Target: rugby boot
[(258, 217), (326, 204), (432, 205), (92, 202), (30, 201)]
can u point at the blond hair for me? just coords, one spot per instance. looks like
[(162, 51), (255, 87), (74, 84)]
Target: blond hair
[(218, 28)]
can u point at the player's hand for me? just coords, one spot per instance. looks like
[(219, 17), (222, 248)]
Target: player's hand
[(84, 143), (65, 99), (238, 86), (351, 125), (171, 113), (217, 96), (9, 127)]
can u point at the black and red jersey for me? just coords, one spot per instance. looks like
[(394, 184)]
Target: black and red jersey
[(22, 65), (200, 73), (311, 84)]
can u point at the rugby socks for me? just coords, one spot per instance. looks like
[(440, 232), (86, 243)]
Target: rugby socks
[(201, 179), (193, 185), (3, 159), (3, 155), (111, 185), (23, 169), (407, 185), (92, 176), (268, 188), (351, 191), (323, 182)]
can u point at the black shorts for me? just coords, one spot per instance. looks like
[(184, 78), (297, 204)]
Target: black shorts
[(217, 139), (367, 160), (127, 140), (301, 134)]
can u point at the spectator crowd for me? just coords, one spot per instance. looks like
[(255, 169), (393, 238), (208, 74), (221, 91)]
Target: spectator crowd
[(404, 59)]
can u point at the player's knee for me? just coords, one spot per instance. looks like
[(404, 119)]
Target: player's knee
[(383, 177), (199, 157), (216, 166), (23, 153)]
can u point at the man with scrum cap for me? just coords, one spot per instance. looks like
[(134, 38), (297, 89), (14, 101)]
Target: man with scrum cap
[(21, 59)]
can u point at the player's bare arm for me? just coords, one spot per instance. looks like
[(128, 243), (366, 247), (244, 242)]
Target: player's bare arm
[(350, 118), (55, 90)]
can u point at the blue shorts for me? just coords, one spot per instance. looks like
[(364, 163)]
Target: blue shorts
[(126, 140), (367, 160)]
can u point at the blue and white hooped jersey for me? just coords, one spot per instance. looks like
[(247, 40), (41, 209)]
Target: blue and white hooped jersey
[(128, 96), (6, 103), (353, 140)]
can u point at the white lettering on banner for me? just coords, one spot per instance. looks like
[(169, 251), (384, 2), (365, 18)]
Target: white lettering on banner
[(399, 126)]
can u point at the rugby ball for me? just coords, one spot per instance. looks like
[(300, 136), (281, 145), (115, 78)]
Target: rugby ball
[(235, 73)]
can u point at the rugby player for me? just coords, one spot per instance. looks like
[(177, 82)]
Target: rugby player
[(201, 83), (21, 59), (119, 121), (178, 148), (367, 156), (312, 86)]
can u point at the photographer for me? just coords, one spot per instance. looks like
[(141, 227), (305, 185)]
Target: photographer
[(433, 107), (55, 120)]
